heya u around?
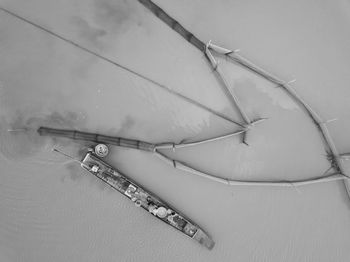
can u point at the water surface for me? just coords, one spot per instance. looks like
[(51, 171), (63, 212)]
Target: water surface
[(52, 210)]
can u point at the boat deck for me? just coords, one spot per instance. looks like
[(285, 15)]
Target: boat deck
[(143, 198)]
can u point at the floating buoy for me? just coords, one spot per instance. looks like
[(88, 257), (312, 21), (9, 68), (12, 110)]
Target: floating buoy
[(101, 150)]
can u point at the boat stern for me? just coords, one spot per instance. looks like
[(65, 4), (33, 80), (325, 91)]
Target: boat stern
[(204, 239)]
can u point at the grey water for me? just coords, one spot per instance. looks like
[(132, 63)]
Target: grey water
[(50, 210)]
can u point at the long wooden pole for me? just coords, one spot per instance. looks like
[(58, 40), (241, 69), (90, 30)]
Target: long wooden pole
[(244, 62)]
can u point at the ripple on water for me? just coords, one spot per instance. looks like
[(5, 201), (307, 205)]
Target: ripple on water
[(27, 203), (23, 211)]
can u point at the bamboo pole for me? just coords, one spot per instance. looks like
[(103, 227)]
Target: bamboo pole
[(345, 156), (315, 117), (154, 148), (195, 143), (97, 138), (172, 23), (125, 142), (229, 92), (232, 54), (232, 182)]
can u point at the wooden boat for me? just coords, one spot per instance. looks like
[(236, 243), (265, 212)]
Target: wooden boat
[(143, 198)]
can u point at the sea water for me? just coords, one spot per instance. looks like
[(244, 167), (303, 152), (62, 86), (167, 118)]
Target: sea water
[(50, 209)]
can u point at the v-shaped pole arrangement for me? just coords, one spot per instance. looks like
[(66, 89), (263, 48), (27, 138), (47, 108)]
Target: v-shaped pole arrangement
[(208, 49), (248, 123), (331, 150)]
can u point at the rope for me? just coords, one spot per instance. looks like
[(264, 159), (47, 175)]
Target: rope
[(108, 60)]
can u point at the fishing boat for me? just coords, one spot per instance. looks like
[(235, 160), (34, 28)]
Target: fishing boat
[(141, 197)]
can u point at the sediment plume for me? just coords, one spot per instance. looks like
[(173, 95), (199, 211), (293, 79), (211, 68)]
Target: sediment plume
[(20, 140)]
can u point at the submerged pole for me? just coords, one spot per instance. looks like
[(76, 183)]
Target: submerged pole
[(172, 23), (96, 138)]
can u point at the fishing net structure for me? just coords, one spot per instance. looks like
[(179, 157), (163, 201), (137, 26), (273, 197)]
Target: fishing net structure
[(211, 51)]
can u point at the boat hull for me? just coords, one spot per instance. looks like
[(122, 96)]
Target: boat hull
[(144, 199)]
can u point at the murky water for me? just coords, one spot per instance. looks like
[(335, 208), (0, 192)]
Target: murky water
[(52, 210)]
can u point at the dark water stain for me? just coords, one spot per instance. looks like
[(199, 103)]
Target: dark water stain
[(74, 171), (87, 32), (117, 16), (79, 175), (126, 126), (110, 21), (23, 142), (18, 132)]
